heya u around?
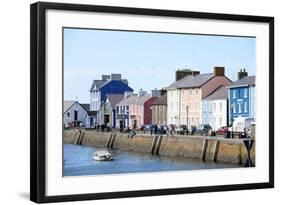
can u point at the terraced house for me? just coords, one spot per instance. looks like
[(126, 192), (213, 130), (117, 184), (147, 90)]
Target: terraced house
[(159, 110), (108, 84), (242, 100), (215, 108), (184, 99), (135, 110)]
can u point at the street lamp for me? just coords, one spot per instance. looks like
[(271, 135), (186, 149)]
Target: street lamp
[(187, 118), (232, 119)]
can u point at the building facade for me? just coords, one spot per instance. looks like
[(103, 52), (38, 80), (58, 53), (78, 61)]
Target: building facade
[(186, 106), (74, 114), (242, 98), (108, 109), (159, 110), (109, 84), (134, 111), (215, 108)]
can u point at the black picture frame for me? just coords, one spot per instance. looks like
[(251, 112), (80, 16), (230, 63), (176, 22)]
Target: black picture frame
[(38, 100)]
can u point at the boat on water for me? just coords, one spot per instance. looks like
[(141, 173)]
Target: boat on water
[(102, 155)]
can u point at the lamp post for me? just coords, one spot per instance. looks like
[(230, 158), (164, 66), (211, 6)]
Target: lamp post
[(187, 118), (232, 107)]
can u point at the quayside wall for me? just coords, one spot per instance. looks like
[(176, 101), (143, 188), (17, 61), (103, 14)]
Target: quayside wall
[(199, 147)]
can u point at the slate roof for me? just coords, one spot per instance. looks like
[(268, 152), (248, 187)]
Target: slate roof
[(162, 100), (98, 84), (134, 100), (68, 104), (86, 106), (191, 81), (115, 98), (101, 83), (218, 94), (248, 80)]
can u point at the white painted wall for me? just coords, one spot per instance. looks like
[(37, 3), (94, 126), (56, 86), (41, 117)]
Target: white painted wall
[(69, 114), (216, 115), (219, 114), (173, 99), (95, 101)]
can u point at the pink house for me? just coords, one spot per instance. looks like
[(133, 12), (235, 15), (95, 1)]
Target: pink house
[(138, 107)]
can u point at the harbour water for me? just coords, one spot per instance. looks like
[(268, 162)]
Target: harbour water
[(78, 161)]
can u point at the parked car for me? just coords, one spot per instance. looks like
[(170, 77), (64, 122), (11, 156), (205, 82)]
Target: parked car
[(203, 129), (222, 130)]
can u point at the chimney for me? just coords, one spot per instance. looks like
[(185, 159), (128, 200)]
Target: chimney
[(194, 73), (142, 92), (155, 93), (181, 73), (219, 71), (115, 76), (241, 74), (105, 77), (163, 91)]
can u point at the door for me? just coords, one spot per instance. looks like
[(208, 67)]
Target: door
[(75, 115)]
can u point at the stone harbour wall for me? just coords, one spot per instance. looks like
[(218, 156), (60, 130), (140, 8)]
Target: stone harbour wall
[(199, 147)]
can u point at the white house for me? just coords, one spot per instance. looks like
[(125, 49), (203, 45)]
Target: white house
[(173, 112), (215, 108), (75, 114)]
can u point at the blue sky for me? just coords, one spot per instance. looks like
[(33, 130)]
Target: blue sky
[(148, 60)]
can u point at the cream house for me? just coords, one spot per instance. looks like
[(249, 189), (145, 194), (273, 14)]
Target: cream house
[(185, 96)]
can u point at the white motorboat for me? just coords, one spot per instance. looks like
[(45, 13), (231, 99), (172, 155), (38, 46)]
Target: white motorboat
[(102, 155)]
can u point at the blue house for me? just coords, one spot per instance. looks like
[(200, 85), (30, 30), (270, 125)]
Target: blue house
[(241, 95), (109, 84)]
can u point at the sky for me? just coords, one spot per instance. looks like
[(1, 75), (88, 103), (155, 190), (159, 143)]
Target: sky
[(148, 60)]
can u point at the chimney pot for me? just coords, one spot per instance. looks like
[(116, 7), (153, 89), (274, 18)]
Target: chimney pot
[(241, 74)]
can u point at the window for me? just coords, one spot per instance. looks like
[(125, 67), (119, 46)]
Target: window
[(234, 108), (220, 106), (239, 107), (196, 91), (117, 109), (246, 92), (245, 107), (190, 91), (68, 114), (234, 93), (240, 93)]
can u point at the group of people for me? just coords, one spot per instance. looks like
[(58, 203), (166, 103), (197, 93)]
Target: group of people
[(102, 127), (153, 129)]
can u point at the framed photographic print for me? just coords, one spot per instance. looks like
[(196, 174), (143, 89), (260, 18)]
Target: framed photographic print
[(129, 102)]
